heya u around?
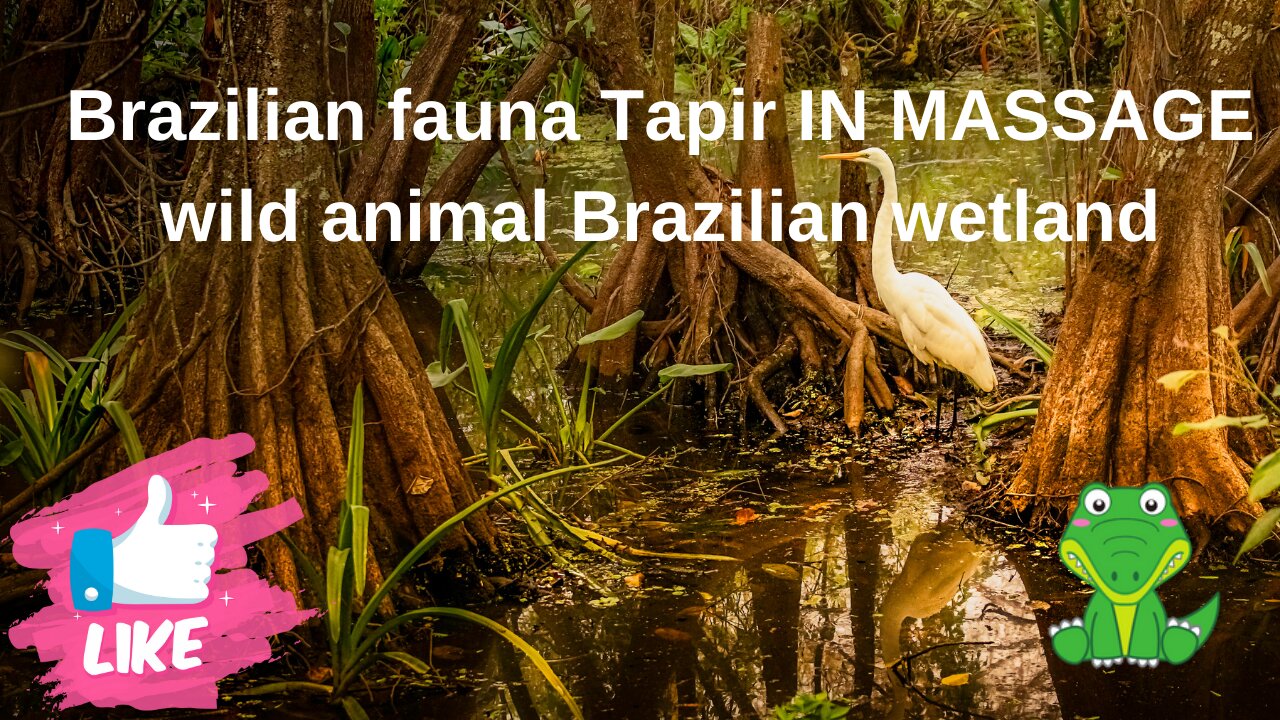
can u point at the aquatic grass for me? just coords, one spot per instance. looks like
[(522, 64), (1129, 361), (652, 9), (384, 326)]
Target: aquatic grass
[(354, 640), (1016, 409), (1265, 479), (1043, 351), (62, 404), (489, 385)]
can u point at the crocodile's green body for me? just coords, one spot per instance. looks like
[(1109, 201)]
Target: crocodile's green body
[(1125, 543)]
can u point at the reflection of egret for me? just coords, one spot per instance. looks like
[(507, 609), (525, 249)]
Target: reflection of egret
[(937, 330), (938, 564)]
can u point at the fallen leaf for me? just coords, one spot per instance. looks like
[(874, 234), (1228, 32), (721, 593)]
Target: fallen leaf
[(904, 385), (780, 571), (1039, 605), (744, 516), (956, 680), (818, 507), (692, 611), (970, 486), (634, 580), (865, 505), (672, 634), (793, 414)]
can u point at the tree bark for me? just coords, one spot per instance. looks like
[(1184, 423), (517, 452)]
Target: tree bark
[(854, 280), (456, 182), (705, 284), (386, 169), (288, 329), (1144, 310)]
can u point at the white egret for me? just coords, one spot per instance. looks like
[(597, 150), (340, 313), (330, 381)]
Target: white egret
[(937, 330)]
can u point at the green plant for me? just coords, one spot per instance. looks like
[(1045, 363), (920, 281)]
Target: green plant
[(1265, 479), (1018, 408), (811, 707), (63, 403), (1238, 252), (355, 639), (575, 431), (1042, 349), (489, 385)]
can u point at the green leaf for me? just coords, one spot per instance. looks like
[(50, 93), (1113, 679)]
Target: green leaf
[(1266, 477), (1261, 530), (1259, 266), (1217, 422), (681, 370), (11, 452), (688, 34), (439, 378), (359, 545), (614, 330), (1174, 381), (354, 710), (983, 428), (1111, 174), (119, 415), (342, 28), (588, 270), (355, 449), (412, 662), (1041, 348), (335, 574), (40, 377)]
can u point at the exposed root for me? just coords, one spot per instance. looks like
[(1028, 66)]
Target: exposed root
[(782, 354)]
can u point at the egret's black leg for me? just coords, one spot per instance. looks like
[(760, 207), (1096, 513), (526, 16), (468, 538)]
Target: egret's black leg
[(938, 399), (953, 382)]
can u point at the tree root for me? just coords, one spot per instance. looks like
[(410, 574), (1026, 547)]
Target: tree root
[(782, 354)]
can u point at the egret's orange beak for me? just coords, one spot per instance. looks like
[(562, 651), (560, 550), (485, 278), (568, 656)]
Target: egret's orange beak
[(843, 156)]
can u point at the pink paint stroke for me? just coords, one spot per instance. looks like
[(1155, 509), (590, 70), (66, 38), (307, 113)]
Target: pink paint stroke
[(239, 630)]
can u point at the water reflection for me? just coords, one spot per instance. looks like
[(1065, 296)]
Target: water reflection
[(829, 594)]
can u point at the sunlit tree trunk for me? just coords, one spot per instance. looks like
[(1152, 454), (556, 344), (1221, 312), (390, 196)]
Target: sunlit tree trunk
[(756, 304), (278, 334), (1146, 309)]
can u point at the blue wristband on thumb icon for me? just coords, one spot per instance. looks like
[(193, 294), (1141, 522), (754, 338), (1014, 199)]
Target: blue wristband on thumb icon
[(92, 570)]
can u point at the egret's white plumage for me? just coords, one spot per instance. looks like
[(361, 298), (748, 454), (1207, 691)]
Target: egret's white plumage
[(937, 330)]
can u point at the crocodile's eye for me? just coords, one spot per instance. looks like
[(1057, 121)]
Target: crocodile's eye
[(1152, 502), (1097, 501)]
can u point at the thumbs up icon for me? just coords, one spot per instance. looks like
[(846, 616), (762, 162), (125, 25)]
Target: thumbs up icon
[(149, 564)]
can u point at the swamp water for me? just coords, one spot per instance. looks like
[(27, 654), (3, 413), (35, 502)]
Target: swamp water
[(854, 553), (847, 552)]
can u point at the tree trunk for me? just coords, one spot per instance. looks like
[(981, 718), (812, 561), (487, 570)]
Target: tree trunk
[(1144, 310), (286, 330), (406, 259), (705, 289), (387, 169), (854, 280), (666, 19)]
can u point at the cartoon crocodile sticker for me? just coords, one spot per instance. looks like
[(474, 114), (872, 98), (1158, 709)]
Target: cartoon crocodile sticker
[(1125, 543)]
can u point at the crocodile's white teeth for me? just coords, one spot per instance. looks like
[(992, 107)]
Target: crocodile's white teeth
[(1196, 630), (1097, 662), (1185, 625), (1173, 622), (1053, 630), (1145, 663), (1078, 622), (1107, 663), (1131, 660), (1153, 662)]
